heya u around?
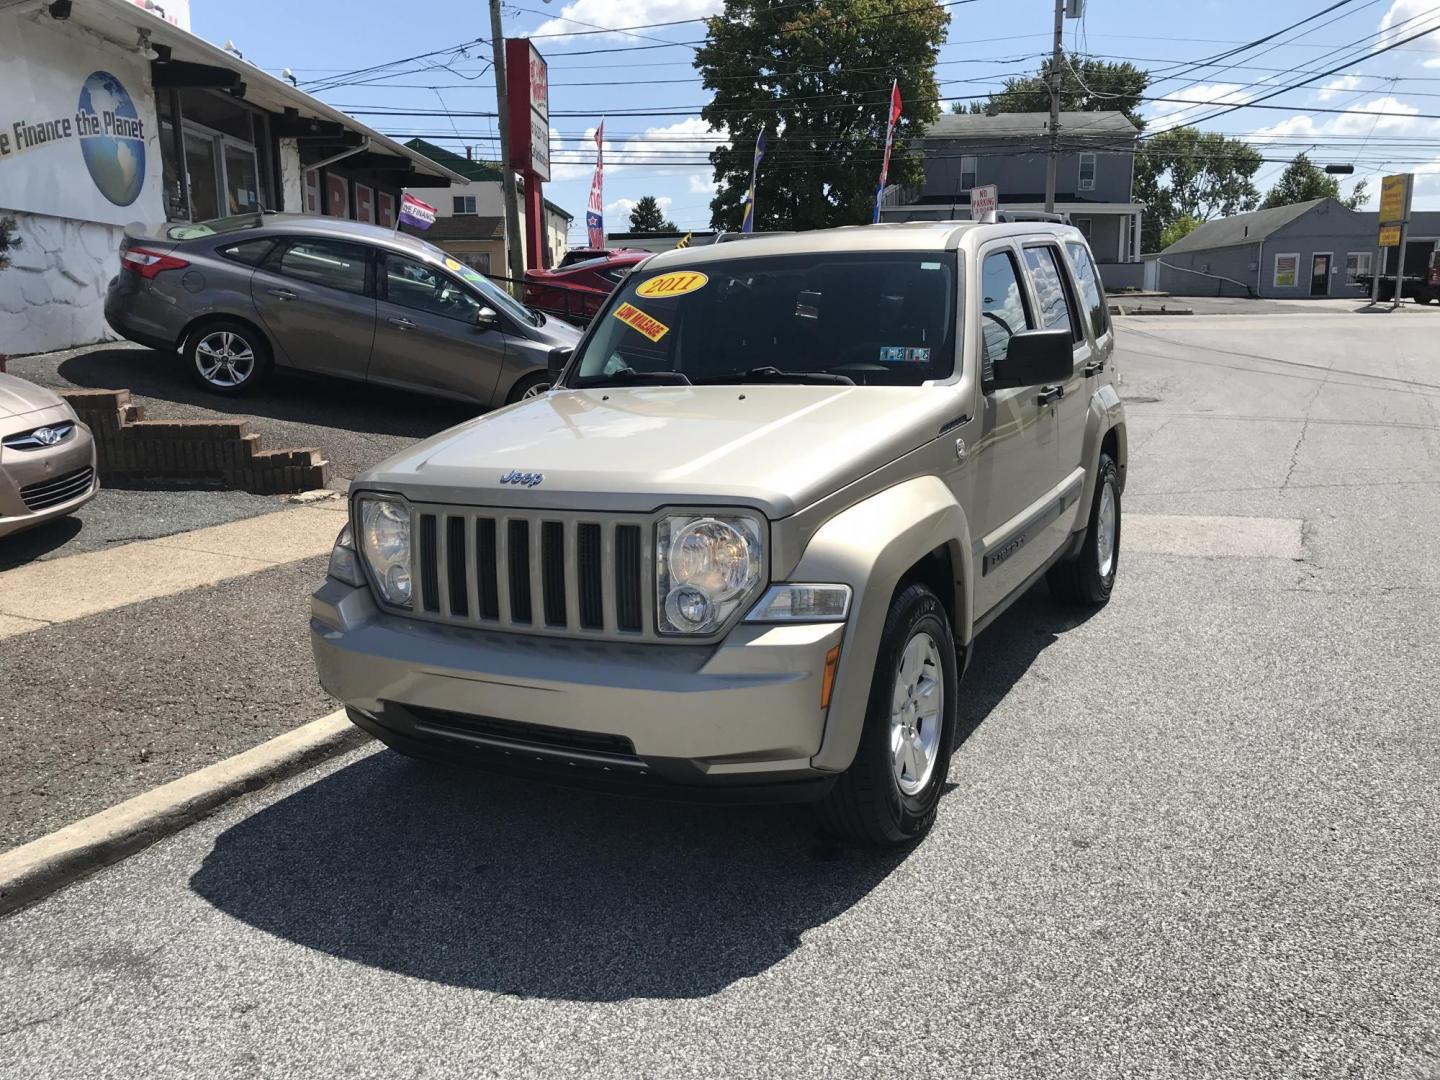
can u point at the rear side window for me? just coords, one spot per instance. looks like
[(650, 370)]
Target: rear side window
[(332, 263), (249, 252), (1003, 312), (1050, 290), (1089, 288)]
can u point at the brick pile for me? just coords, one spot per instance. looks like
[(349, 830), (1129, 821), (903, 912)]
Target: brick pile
[(206, 453)]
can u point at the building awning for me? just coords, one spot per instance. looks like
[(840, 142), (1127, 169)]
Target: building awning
[(120, 22)]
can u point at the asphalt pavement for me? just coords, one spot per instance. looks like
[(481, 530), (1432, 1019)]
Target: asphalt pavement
[(1196, 834)]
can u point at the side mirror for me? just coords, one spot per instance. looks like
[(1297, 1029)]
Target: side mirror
[(559, 357), (1035, 357), (487, 319)]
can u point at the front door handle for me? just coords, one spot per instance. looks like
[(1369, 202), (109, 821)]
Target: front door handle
[(1050, 393), (403, 324), (1094, 369), (283, 294)]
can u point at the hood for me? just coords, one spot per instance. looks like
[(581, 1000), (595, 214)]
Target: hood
[(556, 331), (18, 397), (775, 447)]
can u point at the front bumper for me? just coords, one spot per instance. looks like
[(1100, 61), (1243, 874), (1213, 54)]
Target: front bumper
[(743, 715), (22, 469)]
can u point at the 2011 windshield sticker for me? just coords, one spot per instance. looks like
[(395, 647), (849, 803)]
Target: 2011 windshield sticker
[(676, 283), (641, 323)]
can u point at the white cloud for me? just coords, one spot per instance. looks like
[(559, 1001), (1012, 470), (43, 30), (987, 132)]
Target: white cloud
[(703, 184), (624, 206), (592, 14), (1207, 94), (1433, 62), (1421, 14), (1335, 87), (1386, 115)]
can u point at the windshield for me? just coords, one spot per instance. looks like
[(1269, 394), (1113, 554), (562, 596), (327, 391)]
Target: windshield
[(493, 295), (870, 318)]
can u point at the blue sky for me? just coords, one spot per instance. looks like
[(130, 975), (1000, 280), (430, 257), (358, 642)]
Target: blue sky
[(1385, 125)]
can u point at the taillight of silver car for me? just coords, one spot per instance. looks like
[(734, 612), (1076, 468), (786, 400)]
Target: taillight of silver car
[(148, 263)]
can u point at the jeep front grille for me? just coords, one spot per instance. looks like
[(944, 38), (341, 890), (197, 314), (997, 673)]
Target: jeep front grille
[(542, 572)]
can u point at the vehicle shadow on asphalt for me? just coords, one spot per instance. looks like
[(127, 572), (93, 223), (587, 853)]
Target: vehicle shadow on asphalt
[(492, 883), (21, 548), (288, 395)]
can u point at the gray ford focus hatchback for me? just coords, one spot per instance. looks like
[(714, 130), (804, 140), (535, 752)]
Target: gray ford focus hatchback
[(238, 297)]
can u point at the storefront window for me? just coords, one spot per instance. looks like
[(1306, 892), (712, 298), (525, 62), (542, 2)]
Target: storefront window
[(242, 178), (203, 176)]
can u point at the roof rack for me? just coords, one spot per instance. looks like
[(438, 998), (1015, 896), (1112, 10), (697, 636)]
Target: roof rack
[(1031, 215), (731, 237)]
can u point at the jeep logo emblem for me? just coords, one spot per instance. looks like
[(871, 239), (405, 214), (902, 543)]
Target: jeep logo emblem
[(525, 479)]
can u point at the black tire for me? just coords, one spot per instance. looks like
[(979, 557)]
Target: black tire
[(1082, 580), (248, 364), (866, 804), (530, 386)]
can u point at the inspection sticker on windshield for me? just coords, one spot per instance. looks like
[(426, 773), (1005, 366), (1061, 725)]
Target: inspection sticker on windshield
[(676, 283), (902, 354), (641, 323)]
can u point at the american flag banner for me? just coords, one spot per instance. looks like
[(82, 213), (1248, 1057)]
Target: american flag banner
[(595, 212), (889, 138), (747, 221)]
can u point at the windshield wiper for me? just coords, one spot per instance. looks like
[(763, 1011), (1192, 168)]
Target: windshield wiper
[(631, 377), (769, 373)]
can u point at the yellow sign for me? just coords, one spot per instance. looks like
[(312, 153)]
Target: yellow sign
[(641, 323), (452, 264), (1394, 201), (1389, 236), (676, 283)]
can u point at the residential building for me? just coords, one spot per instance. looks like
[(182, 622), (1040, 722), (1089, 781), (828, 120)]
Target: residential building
[(470, 222), (112, 113), (1094, 177), (1314, 248)]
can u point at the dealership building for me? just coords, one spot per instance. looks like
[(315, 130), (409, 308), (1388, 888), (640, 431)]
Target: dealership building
[(112, 113)]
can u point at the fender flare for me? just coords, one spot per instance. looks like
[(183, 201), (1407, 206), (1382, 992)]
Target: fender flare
[(1106, 414), (870, 546)]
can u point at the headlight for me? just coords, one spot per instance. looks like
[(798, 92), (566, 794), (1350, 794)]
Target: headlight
[(706, 566), (802, 603), (344, 564), (385, 544)]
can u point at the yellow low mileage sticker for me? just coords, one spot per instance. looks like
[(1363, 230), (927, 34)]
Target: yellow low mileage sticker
[(452, 264), (641, 323), (676, 283)]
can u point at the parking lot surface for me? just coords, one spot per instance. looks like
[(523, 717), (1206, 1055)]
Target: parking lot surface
[(1196, 834)]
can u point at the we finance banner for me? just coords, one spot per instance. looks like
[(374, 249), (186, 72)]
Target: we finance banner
[(78, 134)]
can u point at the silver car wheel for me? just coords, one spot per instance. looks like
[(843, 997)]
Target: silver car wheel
[(224, 358), (1105, 530), (538, 390), (916, 707)]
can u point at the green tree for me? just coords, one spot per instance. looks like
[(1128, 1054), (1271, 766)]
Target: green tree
[(646, 216), (1178, 229), (815, 78), (1185, 172), (1084, 84), (1303, 180), (8, 241)]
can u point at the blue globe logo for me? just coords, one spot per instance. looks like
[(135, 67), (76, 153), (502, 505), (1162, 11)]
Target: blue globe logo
[(114, 145)]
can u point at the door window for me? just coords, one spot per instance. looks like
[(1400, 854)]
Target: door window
[(1089, 288), (203, 174), (1050, 290), (420, 287), (332, 263), (242, 178), (1003, 312)]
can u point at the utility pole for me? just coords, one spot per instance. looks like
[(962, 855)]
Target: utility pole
[(513, 246), (1052, 81)]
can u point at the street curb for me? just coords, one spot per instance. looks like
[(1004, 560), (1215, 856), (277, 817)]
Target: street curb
[(36, 869)]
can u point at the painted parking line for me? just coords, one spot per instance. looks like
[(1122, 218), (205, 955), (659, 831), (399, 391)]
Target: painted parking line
[(1213, 537), (59, 590)]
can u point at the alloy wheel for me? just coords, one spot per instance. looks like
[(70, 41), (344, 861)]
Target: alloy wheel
[(916, 707), (224, 358)]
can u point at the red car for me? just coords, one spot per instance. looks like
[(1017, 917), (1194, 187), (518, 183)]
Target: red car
[(577, 292)]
